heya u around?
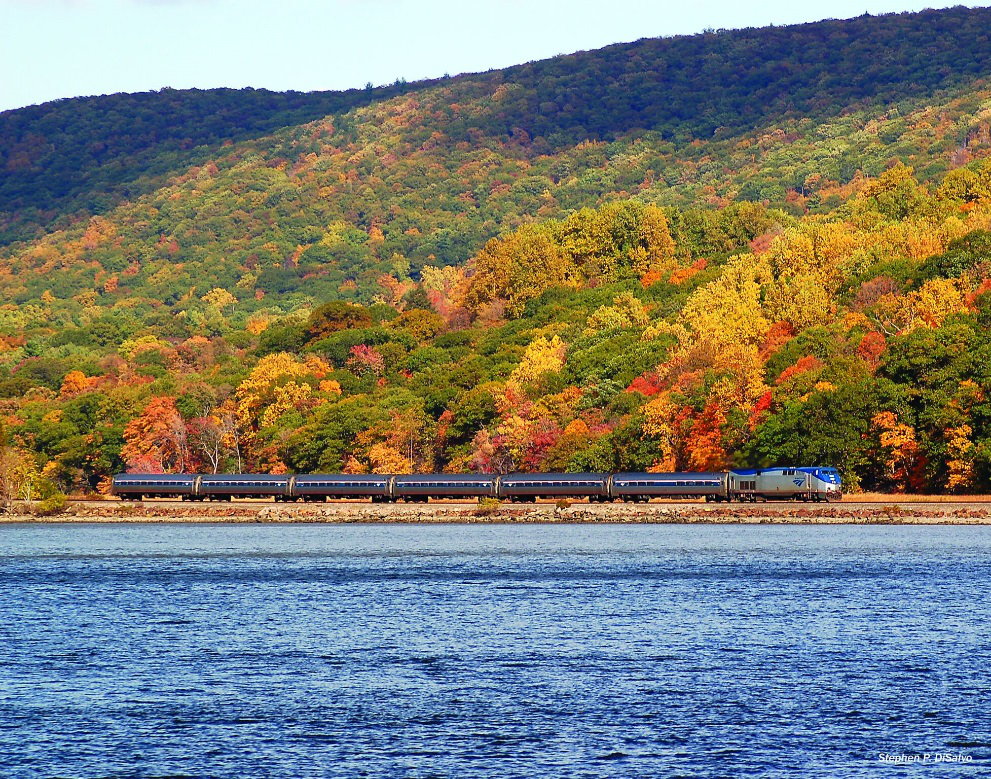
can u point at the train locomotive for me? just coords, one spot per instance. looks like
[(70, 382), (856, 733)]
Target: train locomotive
[(757, 484)]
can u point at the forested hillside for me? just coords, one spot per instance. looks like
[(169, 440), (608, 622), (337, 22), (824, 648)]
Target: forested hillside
[(74, 158), (743, 247)]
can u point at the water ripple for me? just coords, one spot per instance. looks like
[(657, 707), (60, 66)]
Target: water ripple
[(475, 651)]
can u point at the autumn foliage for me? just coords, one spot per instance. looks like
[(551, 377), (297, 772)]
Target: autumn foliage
[(419, 286)]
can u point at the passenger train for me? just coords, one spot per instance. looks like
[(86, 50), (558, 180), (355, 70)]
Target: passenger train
[(783, 483)]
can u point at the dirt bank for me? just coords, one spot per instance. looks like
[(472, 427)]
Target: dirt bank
[(922, 513)]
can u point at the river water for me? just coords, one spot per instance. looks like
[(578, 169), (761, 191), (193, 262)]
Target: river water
[(494, 651)]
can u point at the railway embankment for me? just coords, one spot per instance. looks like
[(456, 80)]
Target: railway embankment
[(920, 512)]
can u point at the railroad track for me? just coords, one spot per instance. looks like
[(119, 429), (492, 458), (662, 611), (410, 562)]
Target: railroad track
[(848, 503)]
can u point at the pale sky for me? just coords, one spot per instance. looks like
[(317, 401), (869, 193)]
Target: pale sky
[(52, 49)]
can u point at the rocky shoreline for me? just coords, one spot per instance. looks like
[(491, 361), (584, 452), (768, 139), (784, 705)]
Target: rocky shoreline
[(438, 513)]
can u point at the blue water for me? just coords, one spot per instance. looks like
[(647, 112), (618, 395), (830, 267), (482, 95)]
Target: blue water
[(493, 651)]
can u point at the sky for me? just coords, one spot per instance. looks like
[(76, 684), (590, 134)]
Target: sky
[(51, 49)]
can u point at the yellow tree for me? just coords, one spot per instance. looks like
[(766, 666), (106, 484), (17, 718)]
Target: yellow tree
[(902, 448), (895, 194), (618, 240), (626, 312), (827, 251), (938, 299), (518, 268), (659, 423), (959, 458), (730, 309), (542, 356), (278, 383), (402, 444), (220, 298), (17, 470), (802, 300)]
